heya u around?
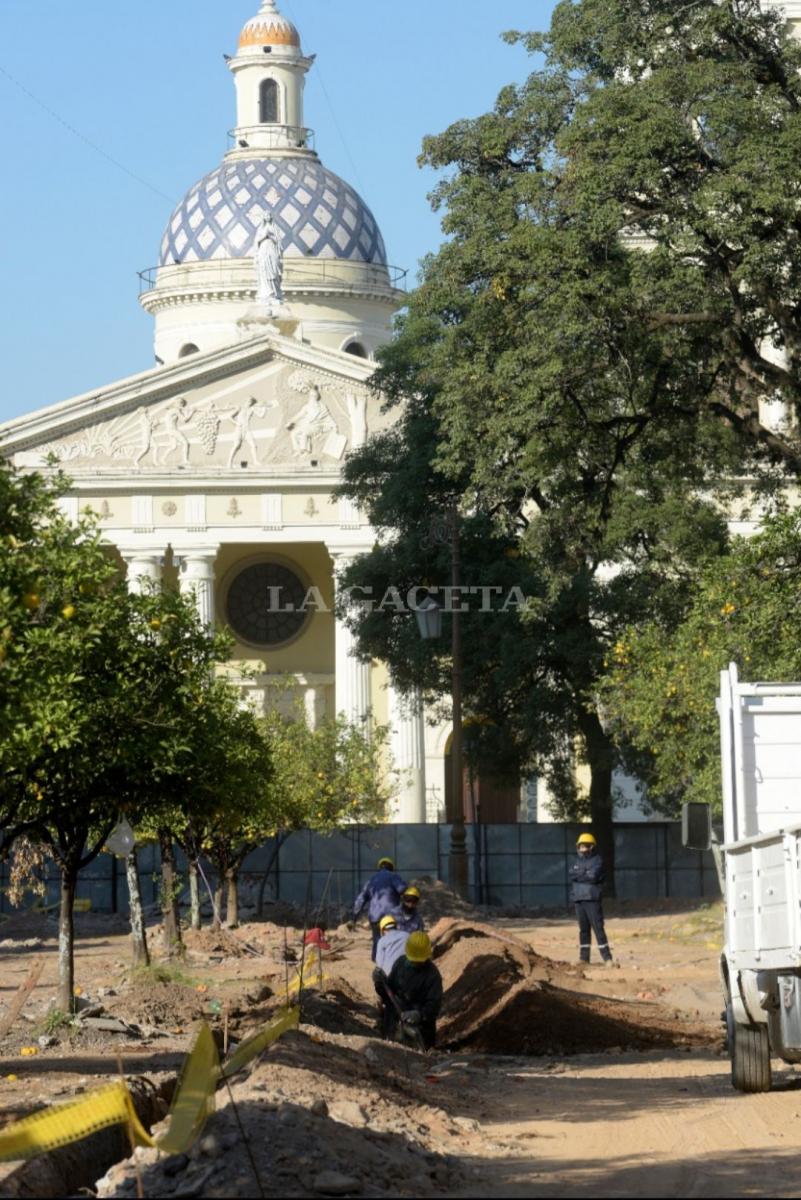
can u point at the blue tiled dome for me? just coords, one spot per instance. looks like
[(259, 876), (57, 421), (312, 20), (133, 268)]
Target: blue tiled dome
[(318, 213)]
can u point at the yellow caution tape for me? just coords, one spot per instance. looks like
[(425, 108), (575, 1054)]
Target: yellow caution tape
[(310, 977), (58, 1126), (113, 1105), (260, 1041), (194, 1097)]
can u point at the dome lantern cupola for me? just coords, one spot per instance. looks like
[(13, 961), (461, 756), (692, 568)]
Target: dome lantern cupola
[(269, 70), (268, 28), (339, 291)]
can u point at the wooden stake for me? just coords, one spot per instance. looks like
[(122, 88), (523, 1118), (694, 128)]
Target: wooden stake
[(23, 993)]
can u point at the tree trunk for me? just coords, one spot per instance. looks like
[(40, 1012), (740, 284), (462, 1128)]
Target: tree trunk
[(601, 760), (280, 838), (217, 901), (141, 954), (173, 944), (232, 898), (65, 1000), (194, 896)]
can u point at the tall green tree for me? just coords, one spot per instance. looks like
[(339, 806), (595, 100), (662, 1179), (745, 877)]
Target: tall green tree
[(681, 127), (589, 354), (662, 682)]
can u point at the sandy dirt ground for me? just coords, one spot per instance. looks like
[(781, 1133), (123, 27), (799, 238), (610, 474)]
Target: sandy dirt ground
[(331, 1110)]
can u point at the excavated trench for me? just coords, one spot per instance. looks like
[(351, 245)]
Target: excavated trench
[(71, 1169), (503, 998), (500, 997)]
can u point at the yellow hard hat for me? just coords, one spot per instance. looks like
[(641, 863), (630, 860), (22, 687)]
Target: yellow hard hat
[(586, 839), (386, 862), (387, 922), (412, 891), (418, 948)]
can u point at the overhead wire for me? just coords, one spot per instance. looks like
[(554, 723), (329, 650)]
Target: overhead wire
[(82, 136), (326, 96)]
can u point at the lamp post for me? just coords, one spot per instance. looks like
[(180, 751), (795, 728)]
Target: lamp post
[(445, 532)]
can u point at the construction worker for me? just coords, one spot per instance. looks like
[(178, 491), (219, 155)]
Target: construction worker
[(381, 894), (407, 913), (415, 989), (391, 946), (587, 877)]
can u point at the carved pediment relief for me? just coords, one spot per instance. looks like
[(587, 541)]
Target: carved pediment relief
[(282, 416)]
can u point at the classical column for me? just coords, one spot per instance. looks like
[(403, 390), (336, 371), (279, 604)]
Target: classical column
[(196, 578), (407, 742), (352, 685), (144, 569)]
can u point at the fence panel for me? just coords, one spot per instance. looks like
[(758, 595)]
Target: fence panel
[(507, 865)]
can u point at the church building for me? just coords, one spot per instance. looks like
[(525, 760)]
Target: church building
[(214, 471)]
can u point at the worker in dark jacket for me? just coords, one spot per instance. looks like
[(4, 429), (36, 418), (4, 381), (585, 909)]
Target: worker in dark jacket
[(381, 894), (407, 914), (587, 877), (416, 985)]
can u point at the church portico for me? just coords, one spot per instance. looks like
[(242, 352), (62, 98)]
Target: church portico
[(277, 598)]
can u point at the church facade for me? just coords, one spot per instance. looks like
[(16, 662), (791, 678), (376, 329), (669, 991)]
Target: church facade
[(214, 471)]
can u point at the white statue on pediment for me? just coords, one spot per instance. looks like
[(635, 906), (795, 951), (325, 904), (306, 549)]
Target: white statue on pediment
[(147, 426), (242, 419), (312, 420), (357, 411), (269, 263), (178, 414)]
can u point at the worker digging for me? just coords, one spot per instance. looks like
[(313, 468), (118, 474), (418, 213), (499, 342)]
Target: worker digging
[(586, 878), (415, 993), (382, 896)]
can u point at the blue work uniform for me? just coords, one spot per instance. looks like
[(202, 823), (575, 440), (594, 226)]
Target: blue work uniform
[(381, 894), (586, 878), (409, 920)]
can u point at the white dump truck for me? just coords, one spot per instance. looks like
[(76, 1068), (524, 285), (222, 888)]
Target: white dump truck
[(760, 868)]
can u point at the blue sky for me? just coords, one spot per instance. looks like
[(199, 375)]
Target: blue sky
[(146, 83)]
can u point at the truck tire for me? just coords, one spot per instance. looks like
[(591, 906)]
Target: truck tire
[(749, 1051)]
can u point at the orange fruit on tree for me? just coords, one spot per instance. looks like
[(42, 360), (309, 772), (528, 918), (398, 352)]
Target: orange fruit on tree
[(31, 601)]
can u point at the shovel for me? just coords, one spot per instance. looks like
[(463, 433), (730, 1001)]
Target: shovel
[(409, 1033)]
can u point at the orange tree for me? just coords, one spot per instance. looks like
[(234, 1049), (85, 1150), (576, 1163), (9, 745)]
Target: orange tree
[(322, 778), (215, 797), (27, 508), (98, 690)]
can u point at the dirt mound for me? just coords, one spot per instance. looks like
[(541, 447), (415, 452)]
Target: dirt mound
[(318, 1116), (438, 900), (503, 998), (339, 1008), (168, 1005), (537, 1018), (216, 942)]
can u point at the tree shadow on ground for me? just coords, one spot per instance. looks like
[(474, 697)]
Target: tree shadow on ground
[(731, 1173)]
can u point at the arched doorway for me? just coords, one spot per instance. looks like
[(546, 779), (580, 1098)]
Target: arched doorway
[(487, 799)]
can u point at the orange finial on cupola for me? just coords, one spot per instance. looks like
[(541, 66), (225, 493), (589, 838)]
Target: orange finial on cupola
[(269, 28)]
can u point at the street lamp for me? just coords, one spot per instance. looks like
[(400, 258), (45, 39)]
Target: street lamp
[(444, 531), (429, 619)]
